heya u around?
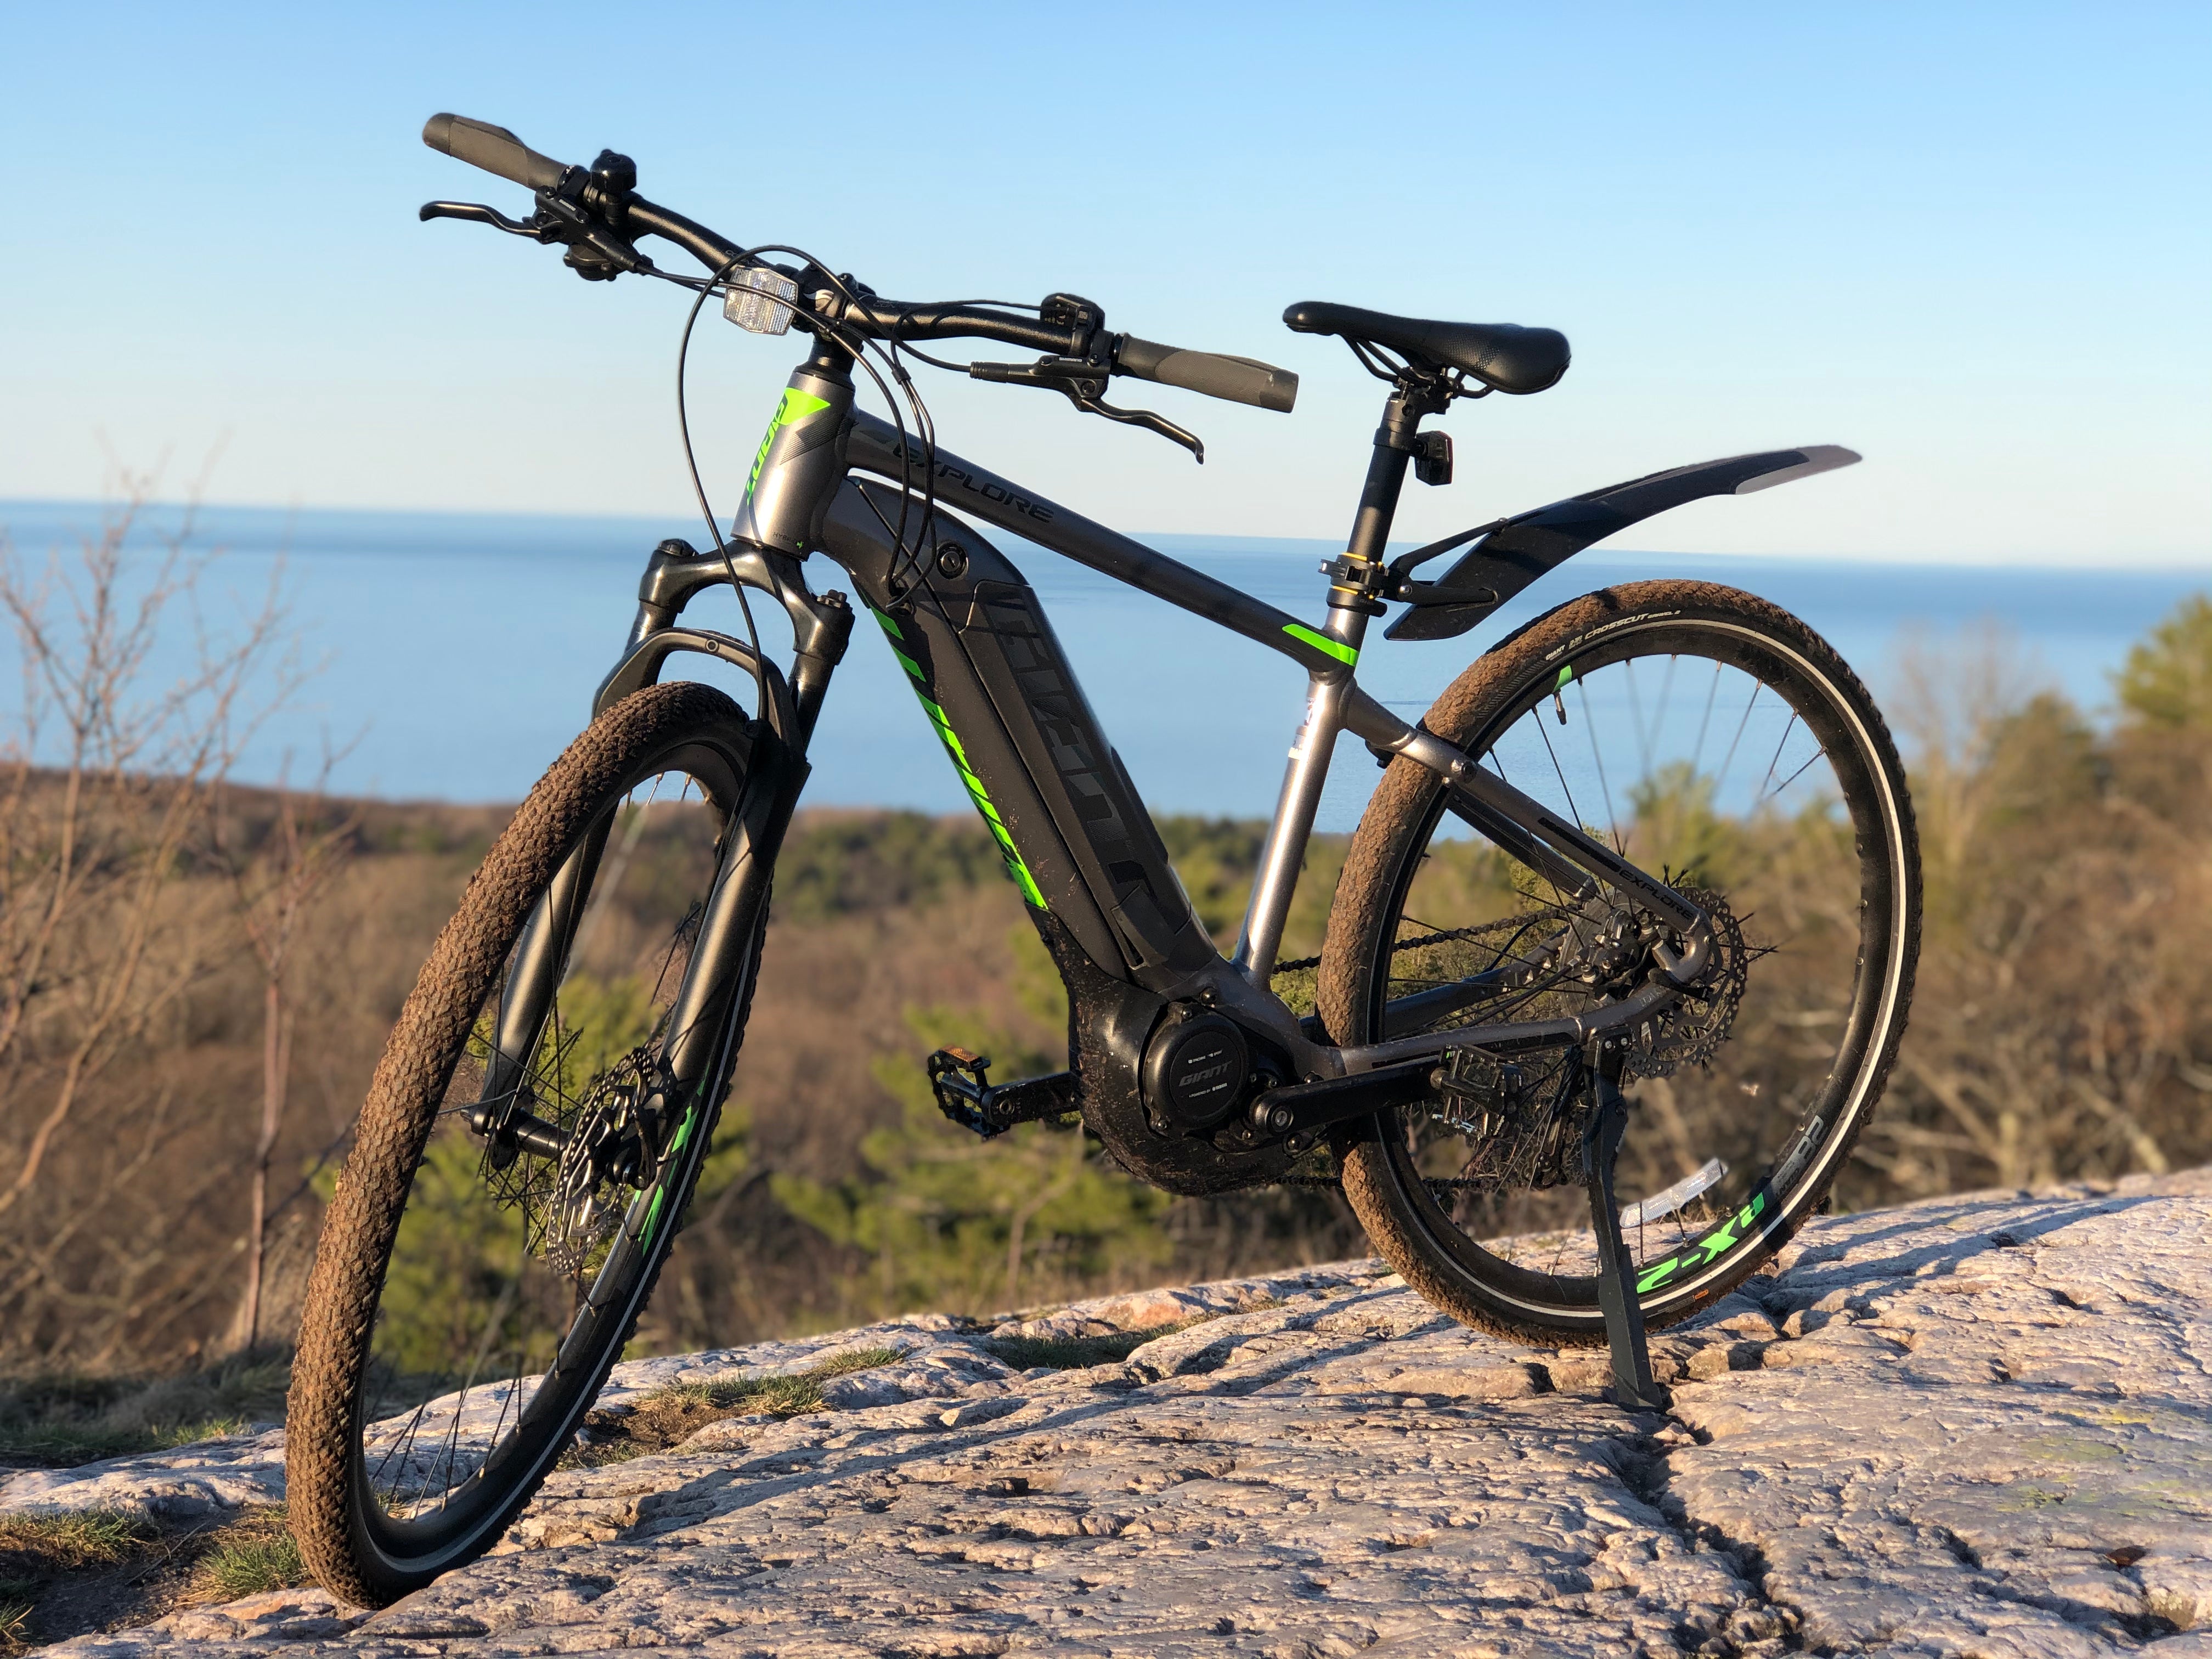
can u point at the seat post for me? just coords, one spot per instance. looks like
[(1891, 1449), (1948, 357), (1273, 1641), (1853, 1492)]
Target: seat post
[(1358, 577)]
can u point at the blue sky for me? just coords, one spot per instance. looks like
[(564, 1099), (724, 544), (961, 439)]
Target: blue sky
[(1968, 240)]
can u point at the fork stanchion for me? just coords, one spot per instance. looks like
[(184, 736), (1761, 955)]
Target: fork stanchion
[(1633, 1384)]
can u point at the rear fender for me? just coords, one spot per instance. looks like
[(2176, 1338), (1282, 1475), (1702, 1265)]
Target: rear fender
[(1511, 553)]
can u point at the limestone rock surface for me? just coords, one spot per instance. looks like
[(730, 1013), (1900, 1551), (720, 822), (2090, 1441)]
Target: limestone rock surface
[(1976, 1426)]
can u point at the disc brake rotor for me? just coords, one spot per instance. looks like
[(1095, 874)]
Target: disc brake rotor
[(573, 1204), (603, 1160)]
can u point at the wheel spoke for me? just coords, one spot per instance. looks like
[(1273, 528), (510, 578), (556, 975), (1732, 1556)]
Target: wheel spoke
[(1784, 787), (1720, 782), (1705, 720), (1590, 727), (1781, 743)]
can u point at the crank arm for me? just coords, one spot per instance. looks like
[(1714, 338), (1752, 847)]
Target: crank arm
[(1302, 1107)]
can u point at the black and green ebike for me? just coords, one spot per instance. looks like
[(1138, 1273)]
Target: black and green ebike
[(1655, 848)]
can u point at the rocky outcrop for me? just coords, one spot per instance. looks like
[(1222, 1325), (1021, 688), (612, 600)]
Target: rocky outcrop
[(1981, 1426)]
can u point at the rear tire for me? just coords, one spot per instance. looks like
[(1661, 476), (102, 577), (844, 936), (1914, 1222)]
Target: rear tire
[(1773, 1093), (360, 1531)]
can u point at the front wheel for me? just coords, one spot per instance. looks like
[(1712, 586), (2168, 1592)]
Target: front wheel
[(530, 1139), (1714, 740)]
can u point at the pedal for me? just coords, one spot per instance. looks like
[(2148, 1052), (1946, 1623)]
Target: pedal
[(960, 1078), (961, 1081)]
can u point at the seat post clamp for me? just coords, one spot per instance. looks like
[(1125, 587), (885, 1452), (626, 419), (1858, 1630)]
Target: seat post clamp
[(1356, 584)]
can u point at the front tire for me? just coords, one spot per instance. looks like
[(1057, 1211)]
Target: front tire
[(448, 1267), (1615, 710)]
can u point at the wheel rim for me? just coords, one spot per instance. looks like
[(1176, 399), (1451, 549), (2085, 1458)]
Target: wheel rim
[(1725, 758), (507, 1287)]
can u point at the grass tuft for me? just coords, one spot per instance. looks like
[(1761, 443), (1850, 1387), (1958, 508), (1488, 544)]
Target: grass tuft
[(785, 1396), (1076, 1353), (66, 1575), (38, 1547), (253, 1555), (670, 1415), (59, 1421)]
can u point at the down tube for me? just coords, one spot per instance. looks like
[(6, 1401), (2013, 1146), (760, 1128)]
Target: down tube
[(983, 658)]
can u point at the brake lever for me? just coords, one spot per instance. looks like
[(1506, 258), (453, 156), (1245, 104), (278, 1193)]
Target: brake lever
[(477, 213), (1078, 377), (1090, 404)]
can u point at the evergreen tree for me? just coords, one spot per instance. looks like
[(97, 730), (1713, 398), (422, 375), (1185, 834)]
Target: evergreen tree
[(2168, 678)]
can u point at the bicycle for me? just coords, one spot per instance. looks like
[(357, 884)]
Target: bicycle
[(1658, 838)]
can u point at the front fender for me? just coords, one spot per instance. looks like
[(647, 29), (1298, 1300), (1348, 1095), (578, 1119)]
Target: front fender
[(1514, 552)]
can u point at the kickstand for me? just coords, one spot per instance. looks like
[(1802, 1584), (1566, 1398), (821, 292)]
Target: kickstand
[(1633, 1384)]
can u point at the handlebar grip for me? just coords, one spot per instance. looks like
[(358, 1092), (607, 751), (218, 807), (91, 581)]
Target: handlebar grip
[(493, 149), (1238, 380)]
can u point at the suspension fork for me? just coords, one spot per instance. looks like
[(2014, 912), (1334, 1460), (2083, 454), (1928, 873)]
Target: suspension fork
[(702, 1026), (503, 1107), (702, 1023), (822, 628)]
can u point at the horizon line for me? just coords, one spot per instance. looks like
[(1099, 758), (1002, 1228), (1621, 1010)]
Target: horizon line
[(2178, 563)]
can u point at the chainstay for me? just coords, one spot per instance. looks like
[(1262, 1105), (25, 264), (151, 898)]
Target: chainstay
[(1334, 1183)]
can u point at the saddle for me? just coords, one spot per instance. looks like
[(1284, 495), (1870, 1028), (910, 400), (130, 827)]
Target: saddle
[(1504, 356)]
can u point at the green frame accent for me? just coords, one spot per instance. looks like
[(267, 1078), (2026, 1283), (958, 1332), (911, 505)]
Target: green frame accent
[(1017, 870), (1320, 642), (795, 405)]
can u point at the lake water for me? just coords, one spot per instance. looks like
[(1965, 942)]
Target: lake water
[(460, 650)]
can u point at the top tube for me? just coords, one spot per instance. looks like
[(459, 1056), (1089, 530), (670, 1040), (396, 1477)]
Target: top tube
[(876, 447)]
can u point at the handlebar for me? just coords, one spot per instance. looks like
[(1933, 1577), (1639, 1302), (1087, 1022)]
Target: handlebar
[(493, 149), (1213, 375), (588, 200)]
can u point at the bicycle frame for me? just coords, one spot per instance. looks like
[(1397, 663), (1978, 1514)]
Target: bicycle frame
[(1076, 838)]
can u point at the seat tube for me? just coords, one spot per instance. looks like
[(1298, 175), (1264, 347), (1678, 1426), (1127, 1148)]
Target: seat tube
[(1284, 855), (1349, 607)]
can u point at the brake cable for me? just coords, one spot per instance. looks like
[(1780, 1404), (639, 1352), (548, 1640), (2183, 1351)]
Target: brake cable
[(859, 350), (699, 488)]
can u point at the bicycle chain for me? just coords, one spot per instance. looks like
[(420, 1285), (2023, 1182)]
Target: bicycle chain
[(1334, 1183), (1504, 925)]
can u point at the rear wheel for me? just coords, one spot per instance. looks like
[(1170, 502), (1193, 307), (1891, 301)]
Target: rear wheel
[(1714, 739), (522, 1159)]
